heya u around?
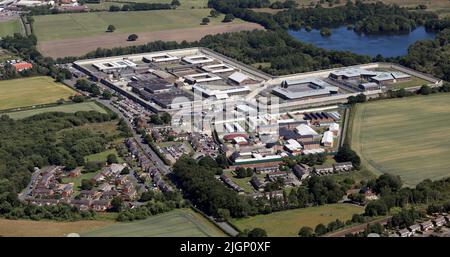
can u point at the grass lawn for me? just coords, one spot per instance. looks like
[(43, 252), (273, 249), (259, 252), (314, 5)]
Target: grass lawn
[(176, 223), (242, 182), (288, 223), (30, 228), (47, 27), (407, 137), (8, 28), (67, 108), (101, 157), (77, 181), (414, 82), (31, 91)]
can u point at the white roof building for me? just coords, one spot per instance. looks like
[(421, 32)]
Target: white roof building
[(305, 130), (293, 145), (161, 57), (239, 140), (334, 127), (198, 59), (327, 138), (238, 77), (218, 68)]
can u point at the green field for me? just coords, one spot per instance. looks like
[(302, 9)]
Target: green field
[(288, 223), (31, 91), (101, 157), (185, 4), (48, 27), (176, 223), (8, 28), (67, 108), (414, 82), (77, 181), (409, 137)]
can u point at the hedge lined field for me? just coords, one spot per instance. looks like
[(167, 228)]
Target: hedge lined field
[(67, 108), (48, 27), (31, 91), (176, 223), (407, 137), (288, 223)]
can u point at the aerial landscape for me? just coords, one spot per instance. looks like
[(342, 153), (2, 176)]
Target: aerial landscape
[(225, 118)]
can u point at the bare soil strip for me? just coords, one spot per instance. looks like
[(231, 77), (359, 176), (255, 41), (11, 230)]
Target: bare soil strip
[(81, 46)]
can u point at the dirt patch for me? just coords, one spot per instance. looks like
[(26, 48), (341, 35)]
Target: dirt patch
[(81, 46), (29, 228)]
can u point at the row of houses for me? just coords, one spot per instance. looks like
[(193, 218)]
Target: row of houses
[(438, 221)]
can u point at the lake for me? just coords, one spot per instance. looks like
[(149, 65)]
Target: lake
[(372, 45)]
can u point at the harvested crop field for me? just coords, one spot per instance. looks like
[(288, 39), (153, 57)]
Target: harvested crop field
[(30, 228), (81, 46), (176, 223), (407, 137)]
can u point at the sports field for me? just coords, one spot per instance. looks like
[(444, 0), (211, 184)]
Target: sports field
[(31, 91), (30, 228), (9, 27), (407, 137), (288, 223), (176, 223), (68, 108)]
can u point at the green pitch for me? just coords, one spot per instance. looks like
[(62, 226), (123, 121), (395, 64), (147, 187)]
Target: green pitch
[(31, 91)]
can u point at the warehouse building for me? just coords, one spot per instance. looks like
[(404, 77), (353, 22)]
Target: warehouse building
[(304, 89)]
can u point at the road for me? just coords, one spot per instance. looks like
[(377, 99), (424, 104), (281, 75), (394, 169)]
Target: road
[(27, 191), (149, 151)]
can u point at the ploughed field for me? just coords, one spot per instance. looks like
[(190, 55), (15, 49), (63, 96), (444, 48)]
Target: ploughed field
[(409, 137), (31, 91), (289, 222), (176, 223)]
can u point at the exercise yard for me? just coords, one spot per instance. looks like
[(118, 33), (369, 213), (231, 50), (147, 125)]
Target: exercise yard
[(31, 91), (176, 223), (288, 223), (408, 137)]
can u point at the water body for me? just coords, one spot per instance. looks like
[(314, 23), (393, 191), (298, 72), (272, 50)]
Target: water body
[(348, 40)]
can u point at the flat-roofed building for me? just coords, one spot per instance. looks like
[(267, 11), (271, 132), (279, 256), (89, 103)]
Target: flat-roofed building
[(198, 59), (305, 130), (160, 57), (304, 89), (327, 139), (114, 65), (218, 68), (369, 86)]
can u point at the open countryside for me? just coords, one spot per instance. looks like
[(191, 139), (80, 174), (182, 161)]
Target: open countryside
[(177, 223), (67, 108), (86, 31), (31, 91), (10, 27), (185, 4), (288, 223), (30, 228), (386, 134)]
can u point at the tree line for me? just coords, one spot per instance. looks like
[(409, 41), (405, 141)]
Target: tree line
[(39, 141)]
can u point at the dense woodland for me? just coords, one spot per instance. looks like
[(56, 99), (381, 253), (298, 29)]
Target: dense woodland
[(38, 141)]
